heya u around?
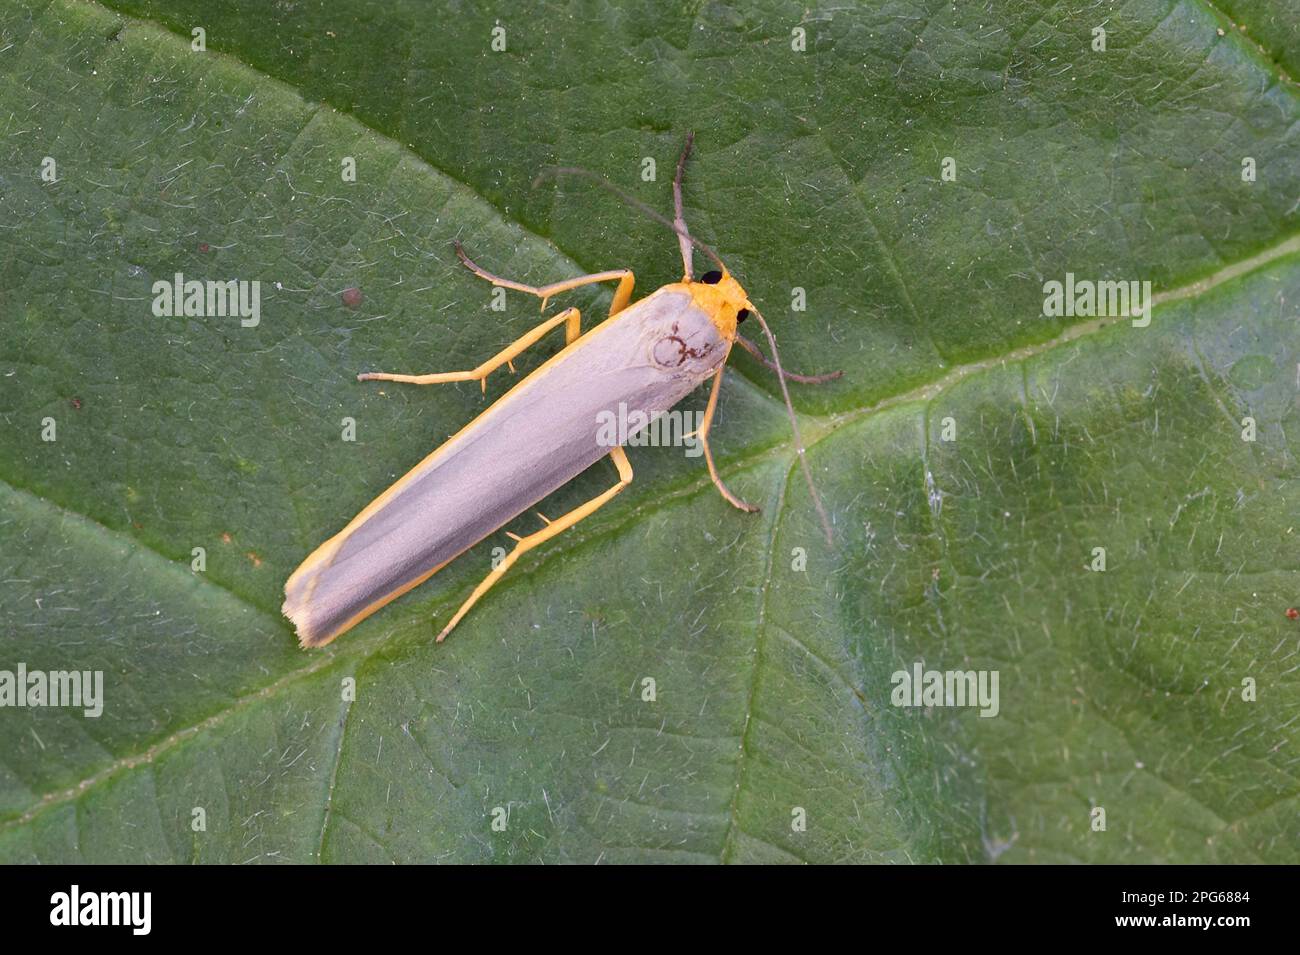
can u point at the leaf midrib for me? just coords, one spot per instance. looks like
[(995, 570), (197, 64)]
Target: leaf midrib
[(1253, 46)]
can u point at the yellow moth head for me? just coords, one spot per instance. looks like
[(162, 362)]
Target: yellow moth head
[(722, 299)]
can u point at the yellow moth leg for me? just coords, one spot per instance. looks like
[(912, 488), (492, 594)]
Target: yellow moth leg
[(703, 434), (571, 316), (622, 294), (552, 528)]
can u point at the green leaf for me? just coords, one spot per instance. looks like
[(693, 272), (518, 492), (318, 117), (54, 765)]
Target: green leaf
[(818, 170)]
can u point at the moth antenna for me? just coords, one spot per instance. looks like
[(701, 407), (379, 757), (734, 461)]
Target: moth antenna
[(679, 220), (754, 350), (633, 201), (794, 426)]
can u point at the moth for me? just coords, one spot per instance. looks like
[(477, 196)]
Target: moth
[(647, 355)]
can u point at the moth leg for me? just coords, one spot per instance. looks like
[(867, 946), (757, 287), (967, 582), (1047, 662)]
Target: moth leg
[(703, 434), (622, 294), (555, 527), (506, 356), (767, 363)]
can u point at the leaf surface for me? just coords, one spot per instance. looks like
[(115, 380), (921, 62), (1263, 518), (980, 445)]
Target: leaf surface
[(817, 170)]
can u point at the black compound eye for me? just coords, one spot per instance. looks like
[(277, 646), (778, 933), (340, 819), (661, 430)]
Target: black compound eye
[(742, 315), (711, 278)]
